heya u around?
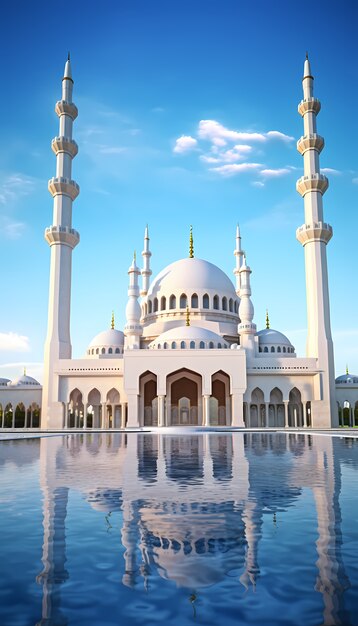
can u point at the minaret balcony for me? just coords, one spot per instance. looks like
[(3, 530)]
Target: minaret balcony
[(64, 144), (315, 182), (318, 231), (62, 235), (310, 142), (309, 105), (66, 108), (64, 186), (247, 328)]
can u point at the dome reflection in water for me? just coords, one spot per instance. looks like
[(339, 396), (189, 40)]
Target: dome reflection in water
[(193, 528)]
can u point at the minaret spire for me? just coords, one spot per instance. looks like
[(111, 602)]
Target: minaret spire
[(112, 321), (246, 328), (239, 254), (314, 235), (191, 243), (62, 238), (133, 329), (187, 322), (267, 320), (146, 271)]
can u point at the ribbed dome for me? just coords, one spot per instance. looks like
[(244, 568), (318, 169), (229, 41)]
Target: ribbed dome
[(189, 334), (347, 379), (23, 380), (191, 274)]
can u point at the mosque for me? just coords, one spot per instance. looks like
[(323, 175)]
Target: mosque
[(190, 353)]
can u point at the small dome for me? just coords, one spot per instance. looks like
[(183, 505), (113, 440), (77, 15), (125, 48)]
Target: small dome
[(188, 337), (272, 341), (347, 379), (108, 342), (4, 382), (23, 380), (191, 274)]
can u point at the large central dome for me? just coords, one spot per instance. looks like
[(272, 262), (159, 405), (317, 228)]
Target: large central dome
[(191, 274)]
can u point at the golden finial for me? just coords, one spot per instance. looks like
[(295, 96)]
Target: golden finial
[(135, 256), (25, 371), (187, 323), (267, 320), (347, 372), (112, 321), (191, 244)]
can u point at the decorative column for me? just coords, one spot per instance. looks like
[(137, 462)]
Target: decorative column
[(206, 403), (267, 414), (123, 415), (314, 235), (146, 271), (161, 411), (246, 328), (239, 254), (62, 239), (286, 413)]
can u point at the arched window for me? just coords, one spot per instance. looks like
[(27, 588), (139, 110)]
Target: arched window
[(278, 349), (260, 349), (272, 349), (183, 301), (216, 302), (231, 305), (110, 351), (163, 303), (159, 346), (103, 350), (92, 350), (224, 304), (172, 302), (165, 345), (174, 345), (117, 350), (97, 350), (205, 301), (182, 345), (236, 306), (201, 345), (194, 301), (192, 345), (211, 345), (155, 305), (149, 306), (219, 345), (265, 349)]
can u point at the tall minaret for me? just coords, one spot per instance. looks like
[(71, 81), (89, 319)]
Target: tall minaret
[(246, 328), (133, 329), (314, 236), (62, 238), (146, 271), (238, 253)]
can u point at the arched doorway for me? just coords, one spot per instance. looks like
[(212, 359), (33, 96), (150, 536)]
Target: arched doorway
[(75, 410), (276, 409), (220, 414), (9, 416), (257, 409), (149, 397), (94, 409), (295, 408), (184, 398), (113, 418)]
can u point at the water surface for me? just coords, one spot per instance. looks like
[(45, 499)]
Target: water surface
[(232, 528)]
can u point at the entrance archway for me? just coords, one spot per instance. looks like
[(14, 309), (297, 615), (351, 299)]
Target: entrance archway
[(148, 393), (184, 393)]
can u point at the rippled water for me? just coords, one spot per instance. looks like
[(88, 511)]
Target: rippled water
[(185, 529)]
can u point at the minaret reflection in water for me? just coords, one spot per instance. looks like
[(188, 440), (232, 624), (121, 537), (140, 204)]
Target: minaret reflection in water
[(192, 507)]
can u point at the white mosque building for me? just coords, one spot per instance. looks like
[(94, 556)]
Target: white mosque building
[(190, 353)]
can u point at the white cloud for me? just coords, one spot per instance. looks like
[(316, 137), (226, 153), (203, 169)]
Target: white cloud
[(12, 342), (330, 170), (237, 153), (270, 173), (104, 149), (275, 134), (258, 183), (235, 168), (185, 143), (14, 185), (11, 229), (219, 135), (355, 181)]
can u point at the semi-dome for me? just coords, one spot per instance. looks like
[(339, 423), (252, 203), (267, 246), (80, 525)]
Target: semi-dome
[(347, 379), (272, 341), (184, 337), (108, 342), (23, 380)]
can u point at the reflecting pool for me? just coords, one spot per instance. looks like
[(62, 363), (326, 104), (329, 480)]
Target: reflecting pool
[(204, 528)]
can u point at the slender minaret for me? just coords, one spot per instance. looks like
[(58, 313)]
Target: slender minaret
[(146, 271), (314, 236), (133, 329), (239, 254), (62, 238), (246, 328)]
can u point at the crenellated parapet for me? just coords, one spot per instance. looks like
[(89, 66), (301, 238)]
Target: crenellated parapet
[(65, 186), (66, 108), (64, 144), (309, 105), (319, 231), (310, 142), (312, 182)]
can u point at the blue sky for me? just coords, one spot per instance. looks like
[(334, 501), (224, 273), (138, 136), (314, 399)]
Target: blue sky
[(219, 74)]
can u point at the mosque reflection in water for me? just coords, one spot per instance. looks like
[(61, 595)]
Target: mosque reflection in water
[(192, 507)]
